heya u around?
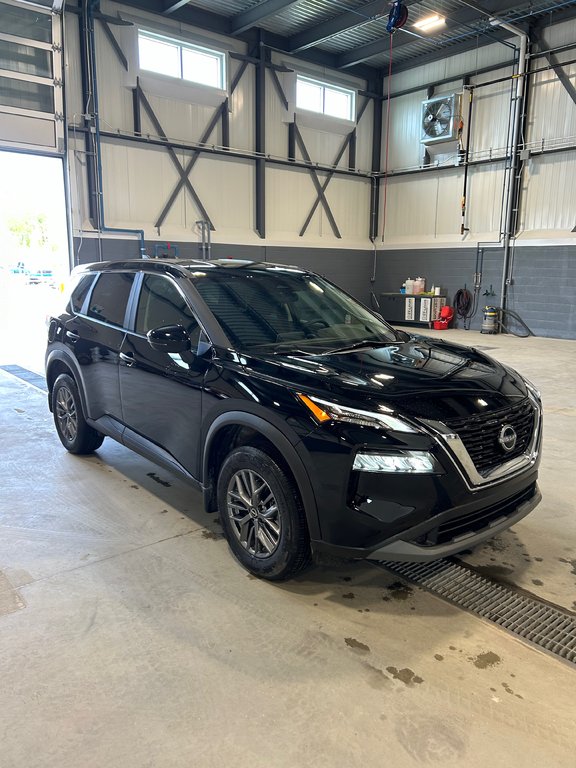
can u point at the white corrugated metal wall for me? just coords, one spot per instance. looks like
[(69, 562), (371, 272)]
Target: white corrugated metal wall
[(423, 208), (548, 200), (138, 178)]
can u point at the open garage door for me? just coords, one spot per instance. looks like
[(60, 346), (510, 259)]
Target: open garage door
[(31, 92)]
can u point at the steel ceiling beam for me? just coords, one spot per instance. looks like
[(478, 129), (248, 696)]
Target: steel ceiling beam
[(451, 50), (253, 16), (566, 14), (173, 5), (459, 18), (351, 60), (324, 30), (216, 22)]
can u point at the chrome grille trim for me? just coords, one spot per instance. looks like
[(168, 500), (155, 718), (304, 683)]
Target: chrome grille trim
[(455, 449)]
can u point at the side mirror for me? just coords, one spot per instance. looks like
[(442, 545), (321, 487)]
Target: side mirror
[(169, 338)]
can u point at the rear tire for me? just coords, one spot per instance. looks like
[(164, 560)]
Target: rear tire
[(74, 433), (262, 515)]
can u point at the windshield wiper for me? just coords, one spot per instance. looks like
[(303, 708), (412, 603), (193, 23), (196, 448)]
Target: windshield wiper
[(364, 344), (457, 369), (279, 348)]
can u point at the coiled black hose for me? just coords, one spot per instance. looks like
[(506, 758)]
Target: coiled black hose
[(463, 303), (518, 319)]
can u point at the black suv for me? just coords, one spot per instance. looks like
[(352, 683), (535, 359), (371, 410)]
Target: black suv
[(306, 420)]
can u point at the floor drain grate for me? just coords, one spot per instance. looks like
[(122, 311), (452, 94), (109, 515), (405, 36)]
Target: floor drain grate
[(538, 622)]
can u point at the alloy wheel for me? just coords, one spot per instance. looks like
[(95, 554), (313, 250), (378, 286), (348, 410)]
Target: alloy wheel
[(66, 413), (254, 513)]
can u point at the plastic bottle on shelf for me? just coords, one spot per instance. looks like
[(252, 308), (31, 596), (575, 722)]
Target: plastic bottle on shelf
[(419, 285), (409, 285)]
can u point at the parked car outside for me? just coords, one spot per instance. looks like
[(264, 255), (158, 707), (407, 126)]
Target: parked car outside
[(307, 421), (40, 276)]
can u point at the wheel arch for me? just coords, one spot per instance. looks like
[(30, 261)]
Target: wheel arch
[(59, 362), (233, 429)]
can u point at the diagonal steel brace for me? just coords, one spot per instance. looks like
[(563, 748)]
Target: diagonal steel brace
[(316, 181), (114, 43), (185, 172), (339, 156), (177, 164)]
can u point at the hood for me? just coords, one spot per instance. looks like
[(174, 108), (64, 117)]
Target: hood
[(422, 377)]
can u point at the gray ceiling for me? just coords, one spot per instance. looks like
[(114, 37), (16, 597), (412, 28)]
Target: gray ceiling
[(351, 34)]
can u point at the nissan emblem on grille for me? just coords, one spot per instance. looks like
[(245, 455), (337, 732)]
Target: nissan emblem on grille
[(507, 438)]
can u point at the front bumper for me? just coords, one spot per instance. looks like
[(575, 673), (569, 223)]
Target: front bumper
[(422, 517), (404, 550)]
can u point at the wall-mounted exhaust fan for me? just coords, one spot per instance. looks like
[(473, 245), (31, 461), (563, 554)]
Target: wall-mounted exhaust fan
[(440, 119)]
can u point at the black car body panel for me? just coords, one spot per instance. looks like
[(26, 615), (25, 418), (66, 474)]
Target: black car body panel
[(449, 403)]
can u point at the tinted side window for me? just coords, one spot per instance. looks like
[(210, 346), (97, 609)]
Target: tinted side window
[(161, 303), (80, 292), (110, 297)]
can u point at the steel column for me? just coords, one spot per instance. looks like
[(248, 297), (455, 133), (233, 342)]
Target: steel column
[(88, 105), (377, 124), (136, 114), (260, 141), (226, 124)]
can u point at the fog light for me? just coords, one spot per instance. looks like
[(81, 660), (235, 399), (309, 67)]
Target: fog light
[(418, 462)]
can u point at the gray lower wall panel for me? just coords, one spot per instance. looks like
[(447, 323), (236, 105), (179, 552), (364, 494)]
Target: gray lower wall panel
[(543, 291), (350, 269)]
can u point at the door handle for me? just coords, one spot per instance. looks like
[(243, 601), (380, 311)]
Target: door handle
[(128, 359), (72, 335)]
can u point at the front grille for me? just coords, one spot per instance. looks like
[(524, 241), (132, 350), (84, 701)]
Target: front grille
[(480, 434), (474, 522)]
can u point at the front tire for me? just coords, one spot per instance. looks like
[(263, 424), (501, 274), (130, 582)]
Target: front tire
[(262, 515), (74, 433)]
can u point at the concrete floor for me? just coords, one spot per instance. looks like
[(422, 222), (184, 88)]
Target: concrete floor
[(129, 637)]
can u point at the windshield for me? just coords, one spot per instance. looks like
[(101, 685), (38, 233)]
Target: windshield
[(280, 309)]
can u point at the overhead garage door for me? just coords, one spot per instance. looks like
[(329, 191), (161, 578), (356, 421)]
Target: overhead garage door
[(31, 92)]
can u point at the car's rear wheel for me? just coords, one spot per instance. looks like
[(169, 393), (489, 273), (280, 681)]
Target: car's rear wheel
[(74, 433), (262, 515)]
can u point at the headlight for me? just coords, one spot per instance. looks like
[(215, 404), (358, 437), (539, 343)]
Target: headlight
[(416, 462), (383, 418), (532, 389)]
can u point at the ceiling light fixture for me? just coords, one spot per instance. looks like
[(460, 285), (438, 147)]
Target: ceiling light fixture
[(430, 22)]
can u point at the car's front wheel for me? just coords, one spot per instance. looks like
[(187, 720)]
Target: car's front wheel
[(262, 515), (75, 434)]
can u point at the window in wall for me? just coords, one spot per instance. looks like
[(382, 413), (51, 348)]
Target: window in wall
[(325, 98), (181, 60)]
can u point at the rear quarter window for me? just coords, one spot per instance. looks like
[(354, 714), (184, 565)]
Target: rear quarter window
[(79, 293), (109, 298)]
